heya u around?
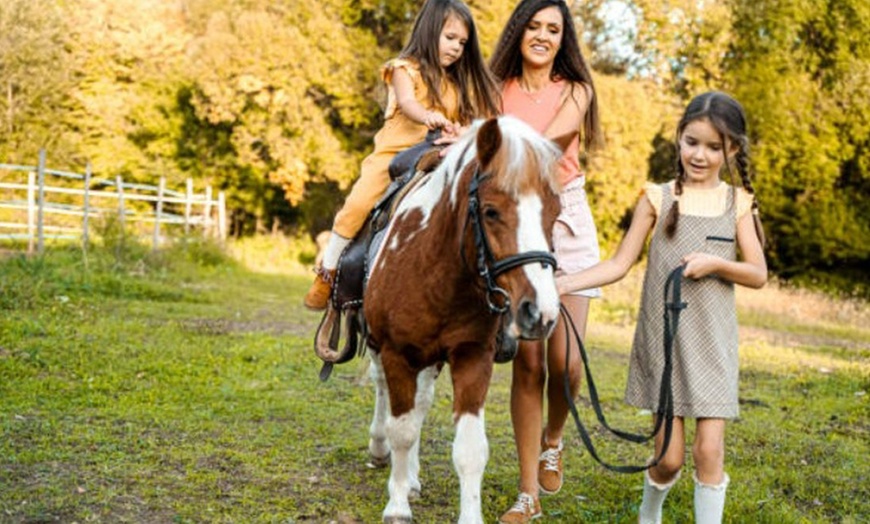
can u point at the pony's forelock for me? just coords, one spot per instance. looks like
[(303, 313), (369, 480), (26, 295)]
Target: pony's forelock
[(528, 150)]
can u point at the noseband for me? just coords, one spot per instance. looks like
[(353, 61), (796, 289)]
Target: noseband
[(487, 266)]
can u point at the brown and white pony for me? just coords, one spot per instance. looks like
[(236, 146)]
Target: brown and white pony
[(466, 254)]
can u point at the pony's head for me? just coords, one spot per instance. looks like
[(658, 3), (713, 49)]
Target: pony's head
[(513, 204)]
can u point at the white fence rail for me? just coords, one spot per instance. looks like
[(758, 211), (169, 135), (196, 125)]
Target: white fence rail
[(39, 204)]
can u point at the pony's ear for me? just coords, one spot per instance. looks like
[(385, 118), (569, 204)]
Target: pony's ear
[(488, 141), (563, 141)]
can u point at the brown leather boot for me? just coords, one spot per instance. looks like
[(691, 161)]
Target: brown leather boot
[(318, 295)]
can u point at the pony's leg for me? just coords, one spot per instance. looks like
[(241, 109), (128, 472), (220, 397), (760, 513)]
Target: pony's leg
[(379, 449), (403, 431), (471, 376), (422, 403)]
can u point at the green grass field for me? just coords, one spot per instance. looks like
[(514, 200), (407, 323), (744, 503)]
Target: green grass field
[(182, 388)]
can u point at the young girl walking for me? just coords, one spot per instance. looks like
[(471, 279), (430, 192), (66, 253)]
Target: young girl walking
[(438, 81), (700, 222)]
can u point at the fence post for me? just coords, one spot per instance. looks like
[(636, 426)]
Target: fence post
[(40, 225), (206, 212), (188, 202), (86, 212), (158, 212), (222, 216), (119, 185), (122, 238), (31, 212)]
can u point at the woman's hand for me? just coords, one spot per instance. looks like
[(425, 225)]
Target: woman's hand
[(562, 285), (700, 265)]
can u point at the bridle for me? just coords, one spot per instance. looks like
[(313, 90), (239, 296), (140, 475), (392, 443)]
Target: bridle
[(488, 268)]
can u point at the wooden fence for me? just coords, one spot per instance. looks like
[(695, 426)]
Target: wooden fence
[(40, 203)]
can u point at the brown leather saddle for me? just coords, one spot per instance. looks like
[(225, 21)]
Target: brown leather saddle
[(406, 170)]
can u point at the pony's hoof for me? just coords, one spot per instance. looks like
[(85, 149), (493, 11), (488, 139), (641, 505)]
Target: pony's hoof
[(378, 462), (397, 520), (415, 494)]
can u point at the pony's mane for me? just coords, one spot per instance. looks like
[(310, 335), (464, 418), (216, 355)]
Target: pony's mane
[(523, 150)]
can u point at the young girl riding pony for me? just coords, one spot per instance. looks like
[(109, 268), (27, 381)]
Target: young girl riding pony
[(701, 223), (438, 81)]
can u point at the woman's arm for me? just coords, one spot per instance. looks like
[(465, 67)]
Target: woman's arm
[(410, 107), (613, 269), (750, 271), (569, 117)]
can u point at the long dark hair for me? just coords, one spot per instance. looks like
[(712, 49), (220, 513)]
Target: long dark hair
[(727, 116), (475, 85), (569, 64)]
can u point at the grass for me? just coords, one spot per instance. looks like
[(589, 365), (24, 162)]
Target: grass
[(182, 388)]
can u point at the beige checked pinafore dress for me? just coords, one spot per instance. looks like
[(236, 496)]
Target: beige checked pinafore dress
[(705, 347)]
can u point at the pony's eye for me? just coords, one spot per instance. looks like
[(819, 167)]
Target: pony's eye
[(491, 213)]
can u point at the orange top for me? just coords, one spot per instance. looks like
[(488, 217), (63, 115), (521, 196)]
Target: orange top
[(400, 132), (538, 110)]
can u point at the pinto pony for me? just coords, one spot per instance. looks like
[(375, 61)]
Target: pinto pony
[(465, 258)]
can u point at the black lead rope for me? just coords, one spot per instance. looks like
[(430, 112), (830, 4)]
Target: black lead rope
[(665, 411)]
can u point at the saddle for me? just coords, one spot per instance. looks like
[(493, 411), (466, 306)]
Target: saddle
[(406, 170)]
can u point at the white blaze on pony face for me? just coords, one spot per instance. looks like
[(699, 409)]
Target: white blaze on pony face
[(531, 237)]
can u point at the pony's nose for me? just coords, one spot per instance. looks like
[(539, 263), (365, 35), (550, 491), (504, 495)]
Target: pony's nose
[(528, 317)]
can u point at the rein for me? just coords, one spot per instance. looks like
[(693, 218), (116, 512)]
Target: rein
[(665, 410), (487, 266)]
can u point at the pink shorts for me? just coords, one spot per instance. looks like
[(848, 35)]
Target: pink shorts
[(575, 238)]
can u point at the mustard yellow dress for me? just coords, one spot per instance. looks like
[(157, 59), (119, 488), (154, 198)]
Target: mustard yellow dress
[(399, 133)]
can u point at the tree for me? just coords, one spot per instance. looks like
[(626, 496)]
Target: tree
[(801, 68), (127, 69), (633, 114), (34, 79), (682, 43), (288, 86)]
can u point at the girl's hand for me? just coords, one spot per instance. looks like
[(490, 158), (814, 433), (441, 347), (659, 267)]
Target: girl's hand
[(434, 120), (699, 265), (449, 135), (451, 132)]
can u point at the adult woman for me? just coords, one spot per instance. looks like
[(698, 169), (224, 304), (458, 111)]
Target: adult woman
[(546, 82)]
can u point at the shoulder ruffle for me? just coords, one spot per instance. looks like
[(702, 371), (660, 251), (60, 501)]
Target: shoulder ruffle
[(409, 65), (744, 202), (653, 193)]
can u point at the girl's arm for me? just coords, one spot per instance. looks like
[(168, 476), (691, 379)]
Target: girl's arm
[(750, 271), (613, 269), (569, 118), (410, 107)]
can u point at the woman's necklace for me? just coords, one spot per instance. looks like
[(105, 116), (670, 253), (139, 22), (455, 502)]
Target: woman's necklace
[(534, 96)]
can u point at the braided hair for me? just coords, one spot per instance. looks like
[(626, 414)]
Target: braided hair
[(726, 115)]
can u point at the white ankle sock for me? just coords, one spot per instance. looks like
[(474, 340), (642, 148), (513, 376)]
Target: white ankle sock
[(710, 500), (334, 247), (654, 494)]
